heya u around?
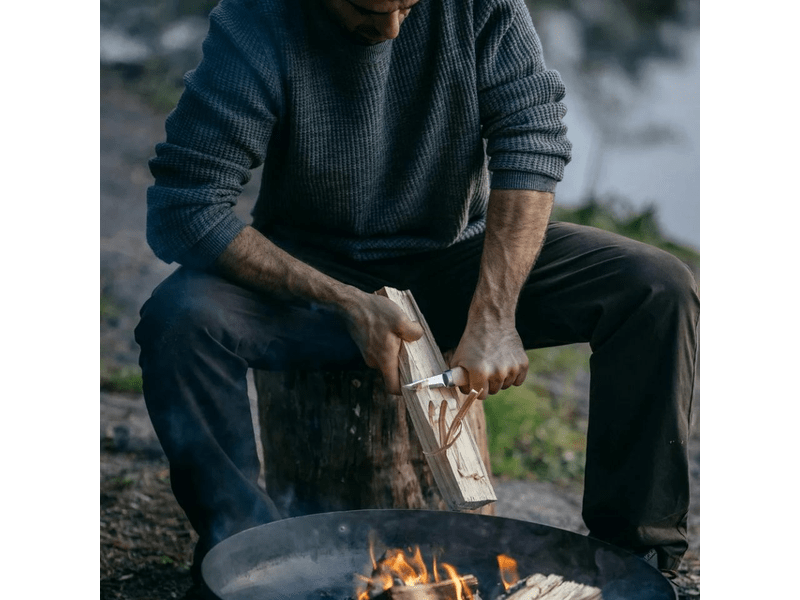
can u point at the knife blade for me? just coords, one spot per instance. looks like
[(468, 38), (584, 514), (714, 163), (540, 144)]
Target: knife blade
[(450, 378)]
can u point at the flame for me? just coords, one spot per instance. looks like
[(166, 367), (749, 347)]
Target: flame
[(408, 567), (508, 570), (399, 565), (462, 591), (419, 565)]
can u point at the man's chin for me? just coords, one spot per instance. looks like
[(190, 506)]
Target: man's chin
[(362, 40)]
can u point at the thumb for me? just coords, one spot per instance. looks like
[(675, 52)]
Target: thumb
[(408, 330)]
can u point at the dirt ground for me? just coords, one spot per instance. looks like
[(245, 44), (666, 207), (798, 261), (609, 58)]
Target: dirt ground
[(145, 540)]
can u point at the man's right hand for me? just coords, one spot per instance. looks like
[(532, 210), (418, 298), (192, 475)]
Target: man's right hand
[(378, 326)]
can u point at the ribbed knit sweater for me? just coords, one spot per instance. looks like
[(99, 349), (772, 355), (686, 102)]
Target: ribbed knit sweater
[(368, 151)]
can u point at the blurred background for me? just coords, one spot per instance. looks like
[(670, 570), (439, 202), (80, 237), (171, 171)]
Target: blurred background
[(632, 73)]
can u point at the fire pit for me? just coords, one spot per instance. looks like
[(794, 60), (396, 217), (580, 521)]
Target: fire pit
[(325, 556)]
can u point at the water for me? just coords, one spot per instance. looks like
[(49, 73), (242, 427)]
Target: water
[(655, 158)]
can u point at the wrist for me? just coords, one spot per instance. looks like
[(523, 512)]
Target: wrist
[(488, 315), (348, 300)]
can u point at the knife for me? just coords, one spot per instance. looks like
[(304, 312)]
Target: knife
[(450, 378)]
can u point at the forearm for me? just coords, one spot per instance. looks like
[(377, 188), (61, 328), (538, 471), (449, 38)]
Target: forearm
[(516, 223), (376, 323), (254, 262), (490, 348)]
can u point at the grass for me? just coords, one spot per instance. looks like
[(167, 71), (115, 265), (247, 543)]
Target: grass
[(124, 379), (121, 482), (534, 435), (114, 377)]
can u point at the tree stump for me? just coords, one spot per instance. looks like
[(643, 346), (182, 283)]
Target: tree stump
[(337, 441)]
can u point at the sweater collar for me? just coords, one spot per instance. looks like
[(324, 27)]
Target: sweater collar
[(329, 35)]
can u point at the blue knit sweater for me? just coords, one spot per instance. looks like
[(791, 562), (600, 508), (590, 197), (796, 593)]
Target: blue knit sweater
[(368, 151)]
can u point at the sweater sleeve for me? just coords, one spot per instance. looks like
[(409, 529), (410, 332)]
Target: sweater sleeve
[(520, 100), (218, 132)]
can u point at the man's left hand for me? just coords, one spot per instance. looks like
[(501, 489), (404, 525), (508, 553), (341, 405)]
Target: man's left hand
[(493, 355)]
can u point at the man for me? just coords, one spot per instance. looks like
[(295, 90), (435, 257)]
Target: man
[(416, 144)]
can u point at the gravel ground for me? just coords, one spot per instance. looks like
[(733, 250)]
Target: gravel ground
[(145, 540)]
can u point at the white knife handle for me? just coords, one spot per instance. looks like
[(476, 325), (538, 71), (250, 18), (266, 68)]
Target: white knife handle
[(455, 377)]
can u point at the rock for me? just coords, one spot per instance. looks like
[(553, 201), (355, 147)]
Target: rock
[(125, 425)]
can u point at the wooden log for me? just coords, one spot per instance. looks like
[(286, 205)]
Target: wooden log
[(442, 590), (551, 587), (336, 440), (460, 471)]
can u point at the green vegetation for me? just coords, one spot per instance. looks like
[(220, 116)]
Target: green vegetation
[(614, 215), (121, 482), (108, 308), (532, 434), (159, 84), (115, 377), (156, 82), (127, 379)]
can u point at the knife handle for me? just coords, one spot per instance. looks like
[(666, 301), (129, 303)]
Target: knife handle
[(455, 377)]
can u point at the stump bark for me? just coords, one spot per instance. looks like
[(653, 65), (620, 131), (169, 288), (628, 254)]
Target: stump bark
[(337, 441)]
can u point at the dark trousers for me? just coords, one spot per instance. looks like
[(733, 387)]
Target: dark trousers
[(635, 305)]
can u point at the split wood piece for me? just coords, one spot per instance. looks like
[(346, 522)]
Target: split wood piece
[(459, 471), (442, 590), (551, 587)]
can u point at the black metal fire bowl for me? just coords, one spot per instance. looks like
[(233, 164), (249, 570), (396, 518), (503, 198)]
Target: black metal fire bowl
[(316, 557)]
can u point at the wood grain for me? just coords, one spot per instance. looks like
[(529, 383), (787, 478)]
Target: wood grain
[(551, 587), (460, 472)]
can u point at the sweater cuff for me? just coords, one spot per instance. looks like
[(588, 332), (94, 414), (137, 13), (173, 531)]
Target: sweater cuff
[(522, 180), (205, 252)]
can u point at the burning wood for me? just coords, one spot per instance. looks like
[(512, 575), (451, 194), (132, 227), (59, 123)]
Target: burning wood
[(540, 587), (442, 590), (405, 576), (400, 575), (551, 587)]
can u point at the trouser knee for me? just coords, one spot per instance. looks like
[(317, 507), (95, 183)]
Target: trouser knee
[(176, 319), (661, 280)]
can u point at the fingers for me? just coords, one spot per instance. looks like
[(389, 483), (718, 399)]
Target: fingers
[(493, 379), (391, 378), (378, 326), (478, 380), (408, 330), (386, 360), (517, 376)]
